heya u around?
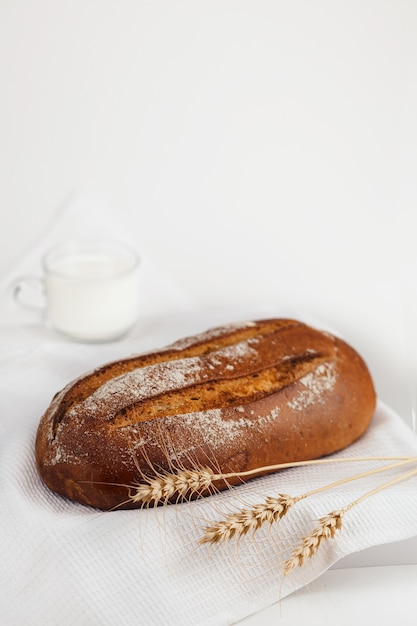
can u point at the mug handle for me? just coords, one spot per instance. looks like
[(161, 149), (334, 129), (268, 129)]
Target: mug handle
[(31, 287)]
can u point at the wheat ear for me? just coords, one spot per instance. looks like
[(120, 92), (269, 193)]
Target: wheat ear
[(329, 524), (240, 523), (184, 482), (180, 485), (326, 529)]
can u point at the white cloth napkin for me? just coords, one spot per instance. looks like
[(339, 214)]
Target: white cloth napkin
[(63, 563)]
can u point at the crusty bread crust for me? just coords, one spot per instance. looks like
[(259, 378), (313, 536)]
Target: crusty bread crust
[(233, 399)]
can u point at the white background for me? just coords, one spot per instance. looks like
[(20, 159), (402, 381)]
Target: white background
[(264, 150)]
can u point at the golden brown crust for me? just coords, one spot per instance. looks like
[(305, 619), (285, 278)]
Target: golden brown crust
[(235, 398)]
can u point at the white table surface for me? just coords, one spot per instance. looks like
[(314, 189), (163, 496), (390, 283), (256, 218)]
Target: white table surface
[(264, 154)]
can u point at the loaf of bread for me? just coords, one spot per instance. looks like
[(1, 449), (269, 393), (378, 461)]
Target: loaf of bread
[(232, 399)]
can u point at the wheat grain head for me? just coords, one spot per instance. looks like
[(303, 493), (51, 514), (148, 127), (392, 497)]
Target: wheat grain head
[(326, 529), (248, 520)]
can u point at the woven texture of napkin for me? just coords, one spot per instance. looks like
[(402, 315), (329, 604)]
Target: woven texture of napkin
[(66, 564)]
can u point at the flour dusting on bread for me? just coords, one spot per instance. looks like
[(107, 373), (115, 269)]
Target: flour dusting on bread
[(316, 384)]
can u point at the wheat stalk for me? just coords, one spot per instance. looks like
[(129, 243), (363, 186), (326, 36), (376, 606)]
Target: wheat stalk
[(184, 483), (329, 524)]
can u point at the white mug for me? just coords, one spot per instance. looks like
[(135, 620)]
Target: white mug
[(91, 289)]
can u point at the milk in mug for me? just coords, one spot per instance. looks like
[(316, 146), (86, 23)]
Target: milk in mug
[(92, 289)]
